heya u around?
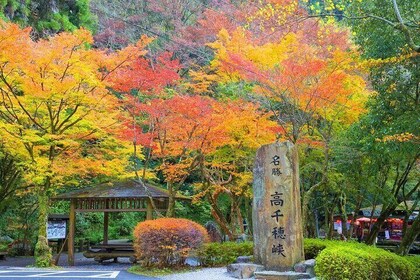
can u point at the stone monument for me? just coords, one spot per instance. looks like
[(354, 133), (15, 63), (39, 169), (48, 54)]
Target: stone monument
[(277, 224)]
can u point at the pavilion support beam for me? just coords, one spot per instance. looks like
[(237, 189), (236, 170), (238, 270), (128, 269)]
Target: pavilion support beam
[(72, 223), (106, 226), (149, 211)]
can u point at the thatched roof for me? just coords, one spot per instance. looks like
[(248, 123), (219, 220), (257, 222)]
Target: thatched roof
[(123, 189)]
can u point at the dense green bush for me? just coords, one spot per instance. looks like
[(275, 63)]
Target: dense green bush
[(355, 261), (415, 260), (219, 254), (334, 259), (336, 264), (312, 247)]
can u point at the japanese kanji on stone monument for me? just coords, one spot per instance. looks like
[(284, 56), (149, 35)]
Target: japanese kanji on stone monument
[(278, 236)]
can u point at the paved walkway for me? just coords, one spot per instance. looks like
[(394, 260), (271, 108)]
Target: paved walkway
[(45, 274), (18, 268), (22, 272), (81, 263)]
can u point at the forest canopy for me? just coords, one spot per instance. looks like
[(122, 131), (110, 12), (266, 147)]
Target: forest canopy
[(181, 94)]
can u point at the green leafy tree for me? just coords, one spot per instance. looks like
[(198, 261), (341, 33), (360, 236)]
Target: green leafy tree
[(48, 17), (10, 177), (391, 23), (389, 30)]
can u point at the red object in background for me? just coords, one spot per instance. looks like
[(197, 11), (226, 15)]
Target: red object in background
[(363, 220)]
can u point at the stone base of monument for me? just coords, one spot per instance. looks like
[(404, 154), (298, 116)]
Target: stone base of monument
[(278, 275), (302, 270), (307, 266), (243, 270)]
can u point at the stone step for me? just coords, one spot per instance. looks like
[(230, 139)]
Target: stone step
[(277, 275), (243, 270), (307, 266)]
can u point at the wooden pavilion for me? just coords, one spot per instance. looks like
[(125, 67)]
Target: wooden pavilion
[(124, 196)]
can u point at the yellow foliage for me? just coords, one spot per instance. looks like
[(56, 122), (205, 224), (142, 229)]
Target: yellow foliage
[(324, 79), (56, 113), (402, 137)]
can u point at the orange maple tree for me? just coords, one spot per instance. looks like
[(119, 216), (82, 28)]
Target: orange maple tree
[(227, 171), (56, 111), (199, 135), (177, 131), (306, 72)]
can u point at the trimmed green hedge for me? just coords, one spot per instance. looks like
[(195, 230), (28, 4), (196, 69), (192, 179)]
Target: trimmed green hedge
[(334, 259), (356, 261), (312, 247), (415, 260), (219, 254)]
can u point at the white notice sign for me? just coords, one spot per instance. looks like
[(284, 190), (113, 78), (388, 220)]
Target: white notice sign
[(56, 230)]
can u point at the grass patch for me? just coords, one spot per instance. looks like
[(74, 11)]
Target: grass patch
[(154, 271)]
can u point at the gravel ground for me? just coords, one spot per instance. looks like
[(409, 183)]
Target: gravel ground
[(218, 273)]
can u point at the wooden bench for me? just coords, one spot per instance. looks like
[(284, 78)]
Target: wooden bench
[(113, 247), (102, 252), (3, 255)]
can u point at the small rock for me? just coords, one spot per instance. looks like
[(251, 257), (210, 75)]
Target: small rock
[(244, 259), (307, 266), (192, 261), (243, 270), (300, 267), (310, 262)]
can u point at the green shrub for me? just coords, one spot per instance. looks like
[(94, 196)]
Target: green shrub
[(312, 247), (167, 242), (4, 247), (336, 264), (334, 259), (415, 260), (219, 254), (355, 261)]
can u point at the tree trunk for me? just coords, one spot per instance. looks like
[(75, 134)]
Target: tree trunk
[(219, 217), (372, 213), (305, 208), (409, 237), (240, 220), (248, 210), (311, 225), (43, 255), (371, 238), (342, 209), (352, 231), (329, 222), (171, 203), (223, 225)]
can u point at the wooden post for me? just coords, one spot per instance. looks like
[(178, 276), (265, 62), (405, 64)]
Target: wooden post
[(106, 222), (149, 213), (72, 222)]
